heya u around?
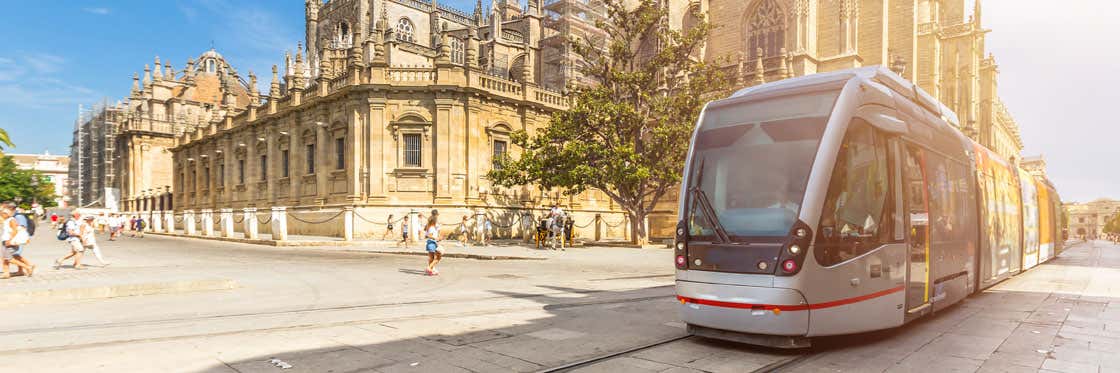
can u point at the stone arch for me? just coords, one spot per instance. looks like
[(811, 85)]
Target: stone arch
[(405, 30), (765, 24), (517, 68)]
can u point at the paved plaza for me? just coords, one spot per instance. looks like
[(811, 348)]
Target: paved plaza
[(188, 305)]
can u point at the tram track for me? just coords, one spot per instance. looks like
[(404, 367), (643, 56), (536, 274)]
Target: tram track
[(776, 366)]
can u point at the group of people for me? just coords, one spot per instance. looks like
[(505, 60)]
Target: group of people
[(15, 235), (80, 235), (116, 224), (462, 233)]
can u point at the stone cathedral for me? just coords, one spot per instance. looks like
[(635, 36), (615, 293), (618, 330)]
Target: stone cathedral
[(938, 44), (393, 107)]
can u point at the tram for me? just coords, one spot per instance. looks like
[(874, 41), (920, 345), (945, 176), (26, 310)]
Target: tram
[(845, 202)]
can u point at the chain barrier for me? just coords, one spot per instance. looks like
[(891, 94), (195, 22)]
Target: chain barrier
[(374, 222), (619, 224), (585, 225), (296, 218), (235, 221), (512, 224), (266, 221), (178, 220)]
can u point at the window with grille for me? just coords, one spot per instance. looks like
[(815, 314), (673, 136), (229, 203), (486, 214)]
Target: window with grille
[(284, 163), (457, 54), (310, 159), (412, 150), (404, 30), (500, 147), (240, 171), (339, 153), (264, 167)]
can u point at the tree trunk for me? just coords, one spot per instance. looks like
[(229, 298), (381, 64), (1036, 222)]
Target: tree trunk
[(639, 234)]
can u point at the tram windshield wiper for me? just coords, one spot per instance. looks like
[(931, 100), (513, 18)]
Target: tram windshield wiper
[(700, 198)]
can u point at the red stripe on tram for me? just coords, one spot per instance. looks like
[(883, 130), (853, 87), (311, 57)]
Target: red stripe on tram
[(790, 307)]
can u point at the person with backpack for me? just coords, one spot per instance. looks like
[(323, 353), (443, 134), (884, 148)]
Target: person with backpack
[(435, 253), (27, 223), (140, 225), (12, 236), (73, 231)]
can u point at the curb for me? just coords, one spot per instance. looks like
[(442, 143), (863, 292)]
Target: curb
[(115, 291), (342, 244)]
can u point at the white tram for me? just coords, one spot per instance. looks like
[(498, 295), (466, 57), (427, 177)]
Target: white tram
[(845, 202)]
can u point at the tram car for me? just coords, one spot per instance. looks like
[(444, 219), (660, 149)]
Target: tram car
[(845, 202)]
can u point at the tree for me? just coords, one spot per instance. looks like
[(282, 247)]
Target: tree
[(1112, 226), (24, 186), (5, 141), (628, 135)]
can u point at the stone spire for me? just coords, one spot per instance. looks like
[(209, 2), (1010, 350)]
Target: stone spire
[(739, 72), (356, 53), (976, 13), (444, 47), (478, 13), (147, 75), (135, 84), (254, 94), (471, 55), (170, 75), (159, 70), (190, 70), (759, 68), (383, 21), (274, 88)]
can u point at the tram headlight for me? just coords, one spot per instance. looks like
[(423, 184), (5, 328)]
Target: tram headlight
[(681, 261), (680, 245), (801, 233), (794, 249), (680, 231)]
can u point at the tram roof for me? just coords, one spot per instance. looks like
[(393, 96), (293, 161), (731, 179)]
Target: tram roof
[(876, 73)]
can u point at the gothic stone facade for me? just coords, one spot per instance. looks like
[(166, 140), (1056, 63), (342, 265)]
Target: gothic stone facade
[(386, 122), (934, 43), (165, 104), (1087, 220)]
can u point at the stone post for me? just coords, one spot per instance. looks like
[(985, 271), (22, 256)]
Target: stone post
[(413, 225), (157, 221), (480, 224), (227, 222), (207, 222), (279, 223), (348, 223), (598, 227), (169, 221), (188, 222), (249, 223)]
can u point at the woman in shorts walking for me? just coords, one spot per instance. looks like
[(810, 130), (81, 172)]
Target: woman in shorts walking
[(435, 253)]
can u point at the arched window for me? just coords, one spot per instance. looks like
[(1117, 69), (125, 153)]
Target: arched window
[(211, 67), (404, 30), (766, 29), (457, 54)]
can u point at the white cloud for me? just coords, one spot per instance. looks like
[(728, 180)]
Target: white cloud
[(98, 11), (28, 80)]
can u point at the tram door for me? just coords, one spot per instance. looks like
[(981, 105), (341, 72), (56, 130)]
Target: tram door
[(917, 208)]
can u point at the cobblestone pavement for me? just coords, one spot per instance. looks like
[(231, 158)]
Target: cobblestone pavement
[(324, 310)]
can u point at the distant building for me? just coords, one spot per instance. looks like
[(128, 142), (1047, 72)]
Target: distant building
[(92, 179), (54, 167), (1087, 219)]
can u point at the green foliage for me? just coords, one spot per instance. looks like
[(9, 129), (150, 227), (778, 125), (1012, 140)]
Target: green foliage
[(1113, 225), (25, 185), (5, 141), (628, 135)]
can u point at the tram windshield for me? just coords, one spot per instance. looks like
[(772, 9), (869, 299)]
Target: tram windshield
[(751, 163)]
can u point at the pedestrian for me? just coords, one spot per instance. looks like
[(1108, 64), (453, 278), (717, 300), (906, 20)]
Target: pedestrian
[(116, 224), (140, 225), (28, 224), (435, 252), (487, 230), (404, 233), (11, 238), (419, 226), (388, 227), (102, 222), (464, 232), (76, 230), (54, 221)]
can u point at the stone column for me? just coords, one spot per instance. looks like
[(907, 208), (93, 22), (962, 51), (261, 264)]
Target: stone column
[(169, 221), (157, 221), (413, 221), (598, 227), (249, 223), (279, 223), (188, 222), (207, 222), (348, 223), (227, 222)]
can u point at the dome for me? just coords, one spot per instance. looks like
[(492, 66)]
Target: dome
[(211, 54)]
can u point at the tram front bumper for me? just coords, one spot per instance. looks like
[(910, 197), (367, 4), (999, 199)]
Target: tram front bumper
[(743, 309)]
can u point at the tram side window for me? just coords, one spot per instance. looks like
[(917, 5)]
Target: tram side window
[(855, 218)]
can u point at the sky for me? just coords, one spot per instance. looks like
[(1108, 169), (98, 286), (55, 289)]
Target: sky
[(1057, 62)]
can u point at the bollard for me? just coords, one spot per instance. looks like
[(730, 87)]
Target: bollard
[(598, 227), (157, 221), (348, 223), (188, 222), (413, 226), (279, 223), (208, 222), (227, 222), (249, 223), (169, 221)]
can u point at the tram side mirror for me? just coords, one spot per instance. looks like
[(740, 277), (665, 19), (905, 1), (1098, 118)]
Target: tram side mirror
[(882, 118)]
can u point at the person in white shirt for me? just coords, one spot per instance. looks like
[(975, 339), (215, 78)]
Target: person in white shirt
[(435, 253), (9, 230), (76, 229)]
